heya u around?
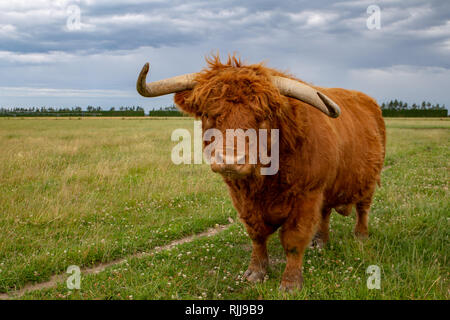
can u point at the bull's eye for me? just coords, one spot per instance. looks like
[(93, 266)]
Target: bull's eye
[(208, 121), (205, 115)]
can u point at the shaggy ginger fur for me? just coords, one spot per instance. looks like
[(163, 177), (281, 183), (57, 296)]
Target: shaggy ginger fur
[(325, 163)]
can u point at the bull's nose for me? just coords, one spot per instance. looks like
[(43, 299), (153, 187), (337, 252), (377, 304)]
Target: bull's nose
[(230, 165), (229, 158), (232, 170), (223, 168)]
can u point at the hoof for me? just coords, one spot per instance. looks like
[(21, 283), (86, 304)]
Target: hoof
[(290, 286), (254, 275), (317, 242), (291, 282), (361, 235)]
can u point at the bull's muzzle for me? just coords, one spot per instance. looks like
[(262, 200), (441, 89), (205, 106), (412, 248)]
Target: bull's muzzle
[(231, 165)]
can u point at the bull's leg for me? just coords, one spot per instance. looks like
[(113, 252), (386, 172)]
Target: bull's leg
[(362, 218), (259, 260), (296, 234), (322, 234)]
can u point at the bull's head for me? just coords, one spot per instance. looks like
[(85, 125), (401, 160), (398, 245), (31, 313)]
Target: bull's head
[(237, 99)]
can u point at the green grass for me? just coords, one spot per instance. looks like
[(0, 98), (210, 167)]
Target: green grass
[(84, 192)]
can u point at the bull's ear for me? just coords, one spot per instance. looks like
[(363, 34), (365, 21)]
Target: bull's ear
[(183, 102)]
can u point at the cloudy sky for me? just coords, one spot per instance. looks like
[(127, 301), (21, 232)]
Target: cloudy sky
[(49, 57)]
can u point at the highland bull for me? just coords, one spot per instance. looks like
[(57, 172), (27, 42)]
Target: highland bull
[(331, 152)]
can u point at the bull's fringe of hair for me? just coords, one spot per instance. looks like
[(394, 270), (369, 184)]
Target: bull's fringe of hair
[(214, 61), (220, 84)]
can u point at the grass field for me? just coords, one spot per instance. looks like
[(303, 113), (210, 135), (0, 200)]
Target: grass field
[(83, 192)]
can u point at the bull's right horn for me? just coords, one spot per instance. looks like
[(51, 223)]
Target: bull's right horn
[(162, 87), (303, 92)]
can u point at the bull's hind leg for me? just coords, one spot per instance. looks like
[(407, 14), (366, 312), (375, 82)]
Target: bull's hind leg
[(259, 261), (322, 234), (362, 218), (296, 234)]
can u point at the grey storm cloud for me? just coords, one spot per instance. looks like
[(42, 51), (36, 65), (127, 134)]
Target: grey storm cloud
[(325, 42)]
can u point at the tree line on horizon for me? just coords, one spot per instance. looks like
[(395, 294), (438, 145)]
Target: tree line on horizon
[(398, 108), (400, 105), (74, 111), (392, 108)]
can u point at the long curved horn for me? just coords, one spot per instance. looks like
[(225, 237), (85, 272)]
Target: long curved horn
[(162, 87), (305, 93)]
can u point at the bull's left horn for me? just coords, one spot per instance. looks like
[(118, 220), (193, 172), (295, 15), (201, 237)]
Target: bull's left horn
[(162, 87), (296, 89)]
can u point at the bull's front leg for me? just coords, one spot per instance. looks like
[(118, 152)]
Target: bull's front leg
[(296, 234), (259, 262), (258, 232)]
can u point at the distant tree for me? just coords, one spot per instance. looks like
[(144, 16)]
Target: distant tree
[(395, 104)]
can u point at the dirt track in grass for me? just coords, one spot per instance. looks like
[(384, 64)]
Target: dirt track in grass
[(55, 279)]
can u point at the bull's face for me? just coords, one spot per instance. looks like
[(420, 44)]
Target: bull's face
[(236, 138)]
